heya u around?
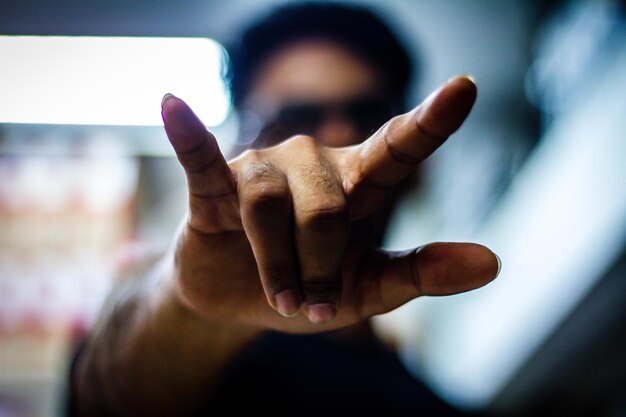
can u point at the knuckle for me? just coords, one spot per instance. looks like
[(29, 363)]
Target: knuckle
[(386, 132), (248, 155), (199, 160), (260, 171), (326, 217), (302, 144), (318, 175), (267, 198), (395, 123), (264, 187), (301, 140)]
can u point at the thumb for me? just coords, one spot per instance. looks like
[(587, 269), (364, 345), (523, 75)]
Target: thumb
[(434, 269)]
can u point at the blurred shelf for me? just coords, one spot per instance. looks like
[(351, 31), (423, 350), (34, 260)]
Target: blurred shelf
[(109, 141), (69, 140)]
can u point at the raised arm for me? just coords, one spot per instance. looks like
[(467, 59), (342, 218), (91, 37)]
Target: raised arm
[(279, 239)]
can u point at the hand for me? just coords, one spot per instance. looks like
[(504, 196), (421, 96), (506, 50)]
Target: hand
[(288, 229)]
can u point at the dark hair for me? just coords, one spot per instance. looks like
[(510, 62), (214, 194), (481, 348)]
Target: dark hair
[(354, 27)]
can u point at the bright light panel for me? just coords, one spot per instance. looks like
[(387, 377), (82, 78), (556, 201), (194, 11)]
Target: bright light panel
[(108, 80)]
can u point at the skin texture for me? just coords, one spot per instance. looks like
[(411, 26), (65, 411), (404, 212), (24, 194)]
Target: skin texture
[(296, 217), (293, 219)]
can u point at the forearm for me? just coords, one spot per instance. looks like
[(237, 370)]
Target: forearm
[(150, 354)]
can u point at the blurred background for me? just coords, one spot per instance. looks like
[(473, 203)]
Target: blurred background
[(538, 173)]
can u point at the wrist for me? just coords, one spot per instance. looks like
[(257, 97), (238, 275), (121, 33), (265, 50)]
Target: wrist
[(170, 301)]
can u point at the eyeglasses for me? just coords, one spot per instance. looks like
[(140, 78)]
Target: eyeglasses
[(366, 114)]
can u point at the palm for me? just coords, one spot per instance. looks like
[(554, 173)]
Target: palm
[(237, 288)]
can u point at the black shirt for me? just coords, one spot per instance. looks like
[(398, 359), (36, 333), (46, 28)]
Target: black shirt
[(318, 375)]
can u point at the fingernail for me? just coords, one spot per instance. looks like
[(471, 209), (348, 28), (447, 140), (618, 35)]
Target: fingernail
[(499, 265), (166, 97), (468, 76), (288, 303), (320, 313)]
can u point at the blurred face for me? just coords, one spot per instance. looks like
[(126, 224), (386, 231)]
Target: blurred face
[(316, 88)]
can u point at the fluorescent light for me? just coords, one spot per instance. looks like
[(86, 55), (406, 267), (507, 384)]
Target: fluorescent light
[(108, 80)]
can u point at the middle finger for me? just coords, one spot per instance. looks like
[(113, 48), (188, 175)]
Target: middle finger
[(321, 227)]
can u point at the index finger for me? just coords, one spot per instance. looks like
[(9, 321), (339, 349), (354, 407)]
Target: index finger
[(396, 148), (197, 150), (212, 197)]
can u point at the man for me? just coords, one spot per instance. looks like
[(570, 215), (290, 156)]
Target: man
[(278, 241)]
